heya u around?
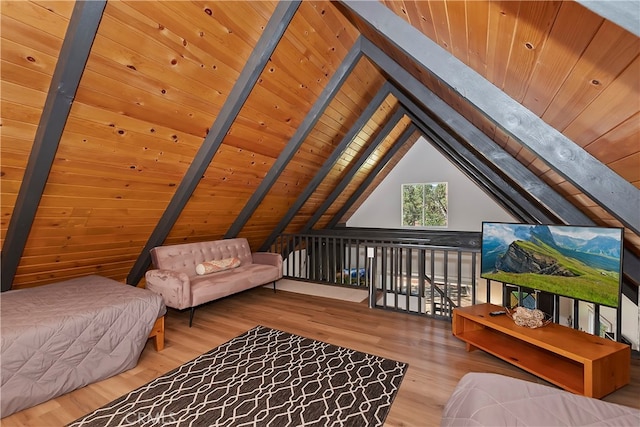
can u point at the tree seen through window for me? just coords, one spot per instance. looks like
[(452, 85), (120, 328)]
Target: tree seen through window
[(424, 205)]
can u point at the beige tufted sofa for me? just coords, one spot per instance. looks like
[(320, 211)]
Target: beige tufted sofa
[(181, 287)]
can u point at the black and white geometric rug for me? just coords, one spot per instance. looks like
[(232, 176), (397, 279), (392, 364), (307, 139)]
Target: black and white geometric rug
[(264, 377)]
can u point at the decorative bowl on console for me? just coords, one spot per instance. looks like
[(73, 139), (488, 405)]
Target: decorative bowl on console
[(529, 318)]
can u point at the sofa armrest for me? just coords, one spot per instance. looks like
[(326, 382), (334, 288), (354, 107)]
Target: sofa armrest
[(173, 286), (268, 258)]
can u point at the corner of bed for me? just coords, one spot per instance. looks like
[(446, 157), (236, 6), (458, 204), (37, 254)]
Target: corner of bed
[(59, 337), (487, 399)]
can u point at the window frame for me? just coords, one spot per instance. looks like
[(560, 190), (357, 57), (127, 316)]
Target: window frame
[(424, 185)]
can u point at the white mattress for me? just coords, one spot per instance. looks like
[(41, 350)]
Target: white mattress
[(482, 399)]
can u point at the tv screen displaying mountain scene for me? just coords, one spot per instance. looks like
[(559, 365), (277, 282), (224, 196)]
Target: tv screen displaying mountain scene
[(583, 263)]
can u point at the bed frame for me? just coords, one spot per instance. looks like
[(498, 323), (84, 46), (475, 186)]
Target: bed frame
[(59, 337)]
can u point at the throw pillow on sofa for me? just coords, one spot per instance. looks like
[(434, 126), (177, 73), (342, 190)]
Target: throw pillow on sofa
[(217, 265)]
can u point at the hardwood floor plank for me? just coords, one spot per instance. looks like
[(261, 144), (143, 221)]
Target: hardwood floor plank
[(437, 360)]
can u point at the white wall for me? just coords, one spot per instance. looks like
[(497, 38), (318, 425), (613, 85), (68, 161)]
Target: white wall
[(468, 204), (468, 207)]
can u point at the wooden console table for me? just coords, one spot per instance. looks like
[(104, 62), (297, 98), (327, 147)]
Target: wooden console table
[(576, 361)]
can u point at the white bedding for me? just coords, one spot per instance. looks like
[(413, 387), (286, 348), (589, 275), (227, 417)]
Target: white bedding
[(59, 337), (482, 399)]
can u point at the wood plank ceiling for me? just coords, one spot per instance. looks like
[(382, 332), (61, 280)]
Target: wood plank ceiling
[(159, 74)]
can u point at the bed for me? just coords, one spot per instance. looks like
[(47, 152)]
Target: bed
[(483, 399), (60, 337)]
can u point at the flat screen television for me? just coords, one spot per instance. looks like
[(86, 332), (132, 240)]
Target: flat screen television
[(583, 263)]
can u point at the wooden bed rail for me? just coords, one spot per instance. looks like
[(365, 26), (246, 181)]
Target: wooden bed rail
[(157, 333)]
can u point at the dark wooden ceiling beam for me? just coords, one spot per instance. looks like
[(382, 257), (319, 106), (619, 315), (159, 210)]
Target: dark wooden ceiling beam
[(519, 206), (613, 193), (624, 13), (475, 138), (486, 178), (503, 191), (346, 180), (285, 156), (74, 53), (546, 198), (408, 132), (489, 180), (273, 32), (328, 164)]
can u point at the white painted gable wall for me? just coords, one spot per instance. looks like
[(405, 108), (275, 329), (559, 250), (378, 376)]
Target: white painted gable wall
[(469, 205)]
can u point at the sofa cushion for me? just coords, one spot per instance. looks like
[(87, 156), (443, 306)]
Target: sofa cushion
[(186, 256), (216, 265), (213, 286)]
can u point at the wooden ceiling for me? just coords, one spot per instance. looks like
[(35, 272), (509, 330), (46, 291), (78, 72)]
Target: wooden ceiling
[(161, 81)]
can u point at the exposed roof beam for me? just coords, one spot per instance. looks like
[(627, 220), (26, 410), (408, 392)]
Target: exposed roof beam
[(547, 198), (456, 153), (520, 207), (501, 191), (410, 130), (285, 156), (328, 164), (619, 197), (474, 137), (625, 13), (504, 192), (273, 32), (74, 53), (346, 180)]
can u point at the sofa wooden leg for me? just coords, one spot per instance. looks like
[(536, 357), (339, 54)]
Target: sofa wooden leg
[(193, 310), (274, 286)]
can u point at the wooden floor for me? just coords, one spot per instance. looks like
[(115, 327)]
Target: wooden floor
[(436, 359)]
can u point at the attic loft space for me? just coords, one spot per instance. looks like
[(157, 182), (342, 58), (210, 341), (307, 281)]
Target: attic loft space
[(125, 129), (289, 131)]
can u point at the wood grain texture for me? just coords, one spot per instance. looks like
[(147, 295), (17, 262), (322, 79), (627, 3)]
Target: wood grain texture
[(363, 172), (457, 18), (571, 359), (159, 73), (563, 48), (322, 140), (618, 142), (353, 152), (502, 24), (437, 360), (477, 30), (377, 180), (535, 21), (28, 58), (563, 72), (263, 129)]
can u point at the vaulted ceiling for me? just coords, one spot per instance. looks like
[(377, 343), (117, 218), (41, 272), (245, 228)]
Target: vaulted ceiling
[(129, 124)]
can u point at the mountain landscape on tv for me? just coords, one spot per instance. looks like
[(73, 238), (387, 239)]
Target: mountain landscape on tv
[(578, 262)]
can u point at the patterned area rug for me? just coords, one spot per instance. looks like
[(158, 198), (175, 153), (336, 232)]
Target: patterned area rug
[(264, 377)]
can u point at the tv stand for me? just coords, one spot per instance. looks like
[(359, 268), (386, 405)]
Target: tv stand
[(573, 360)]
